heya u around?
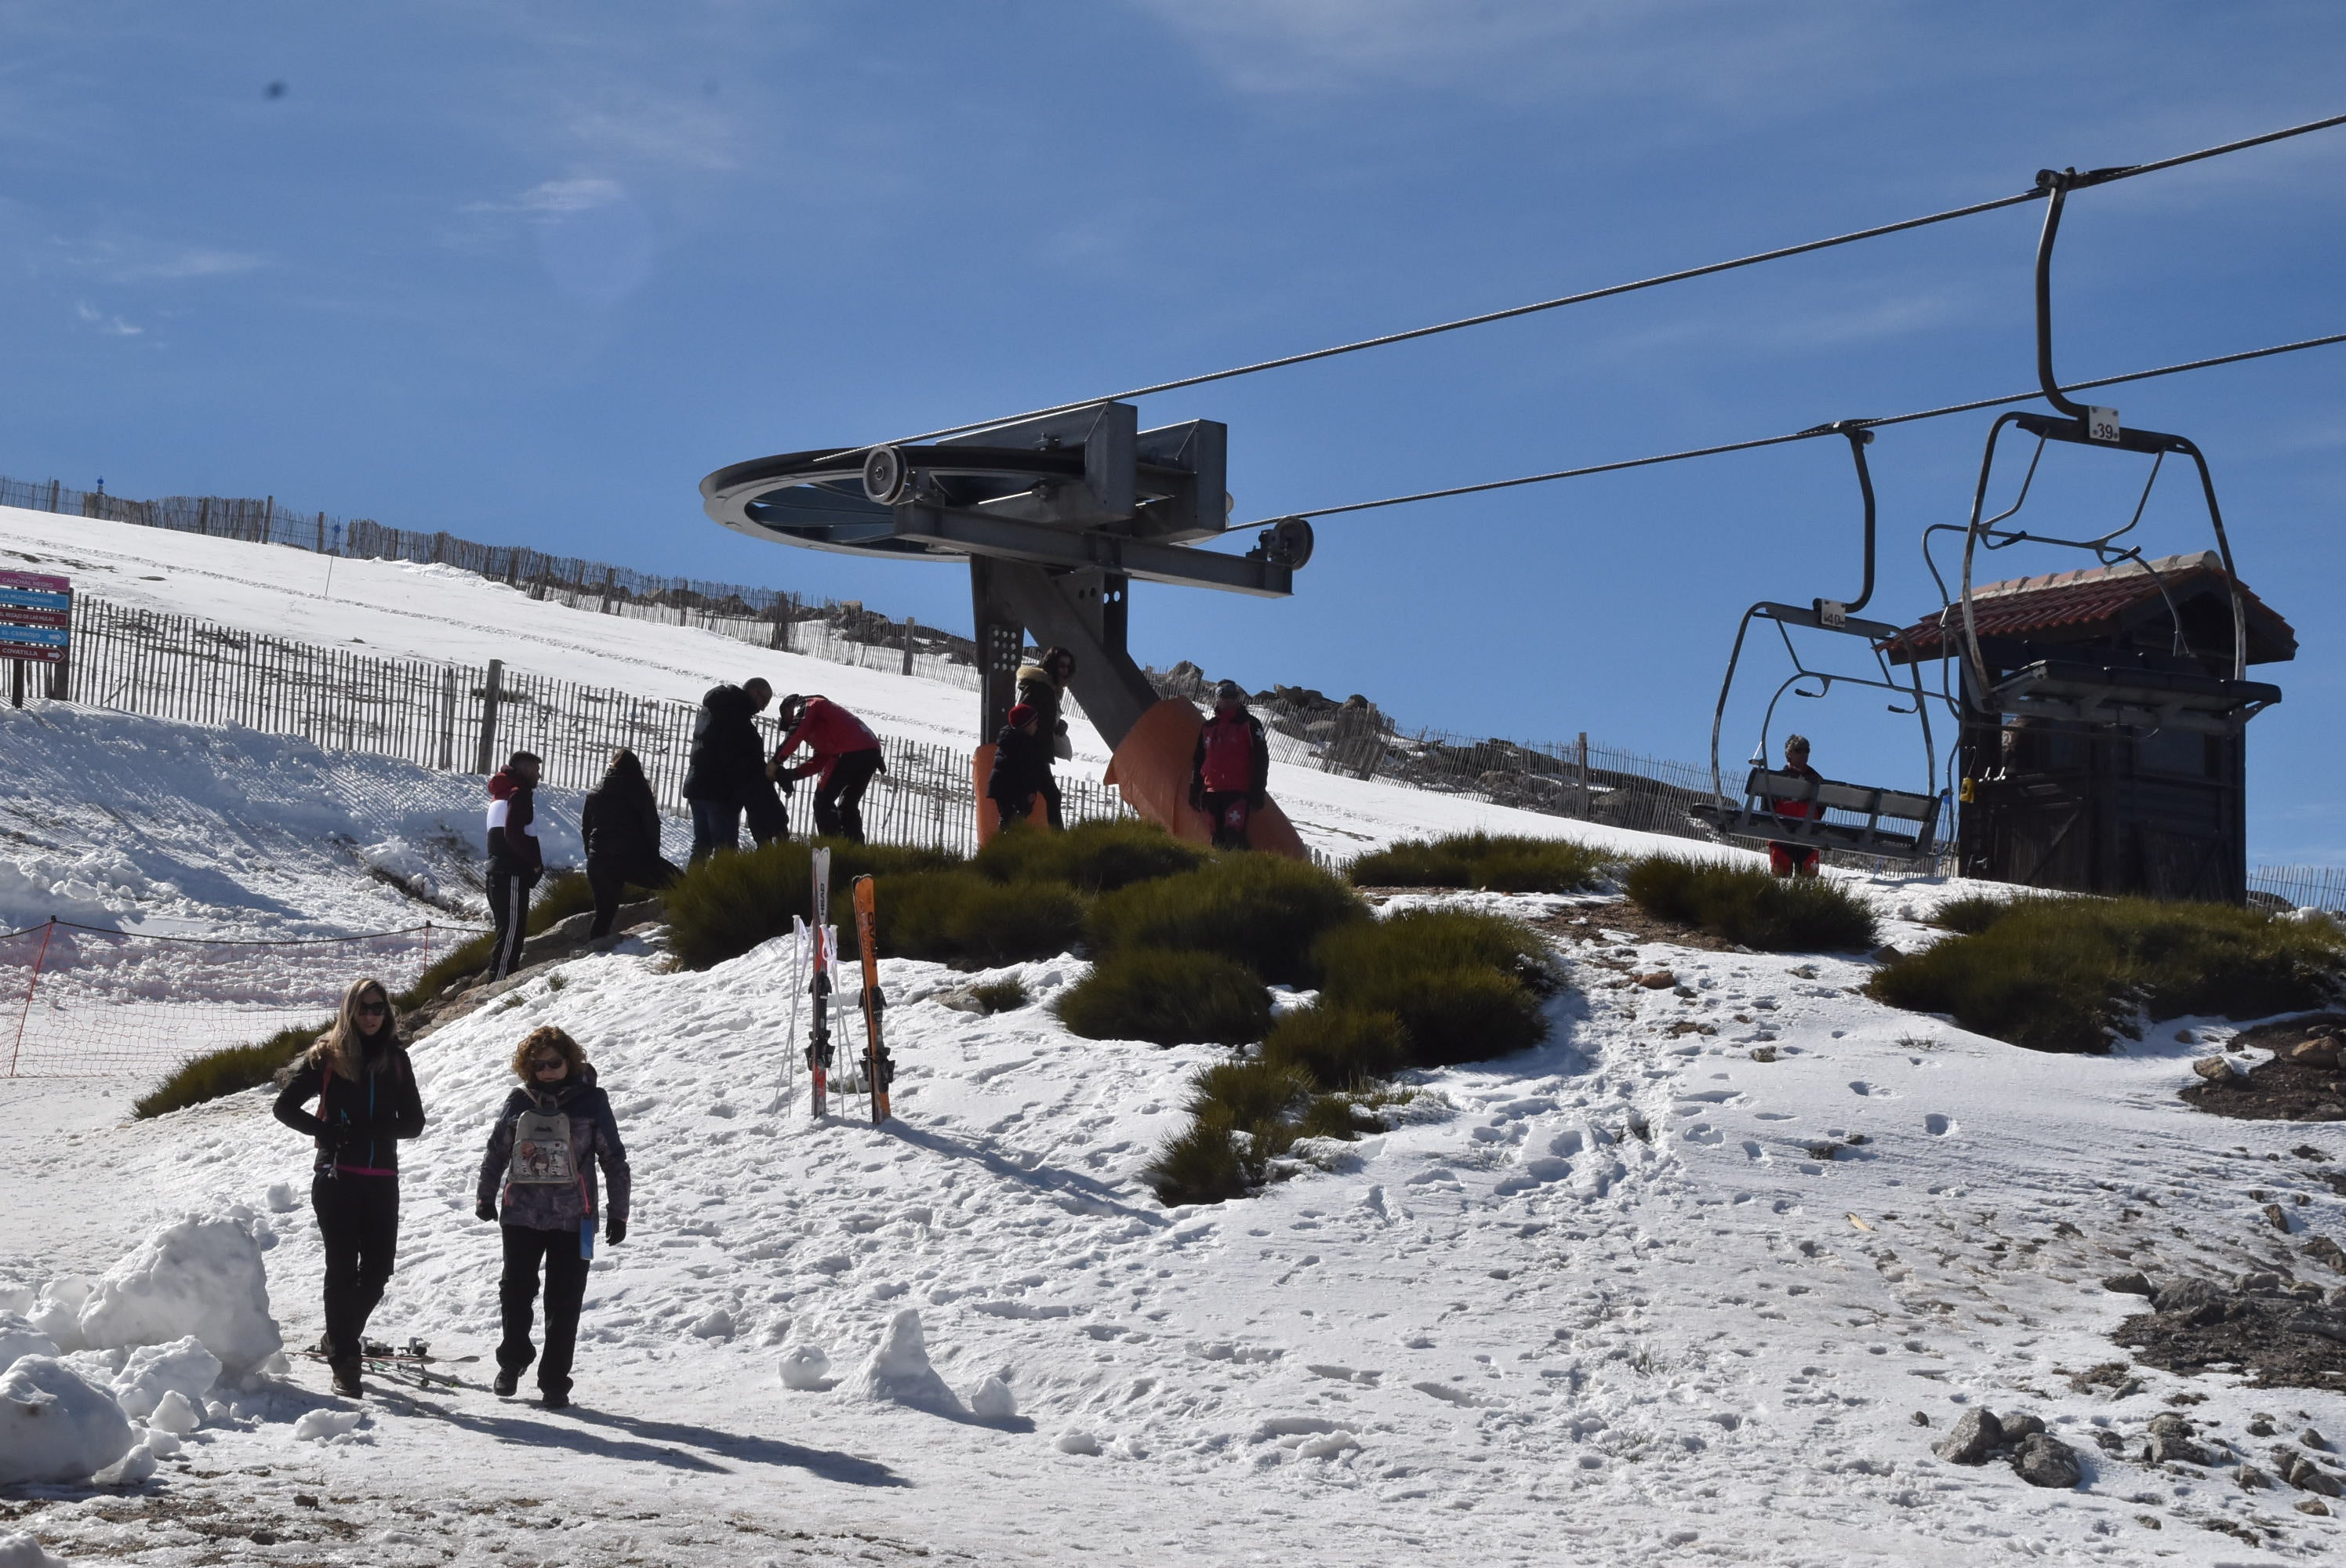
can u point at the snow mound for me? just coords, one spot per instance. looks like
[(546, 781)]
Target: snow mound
[(319, 1425), (805, 1367), (898, 1371), (57, 1425), (1075, 1441), (18, 1338), (200, 1278), (175, 1416), (21, 1549), (156, 1372), (992, 1400)]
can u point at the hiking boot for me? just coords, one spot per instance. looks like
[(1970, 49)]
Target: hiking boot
[(505, 1382), (346, 1381), (555, 1399)]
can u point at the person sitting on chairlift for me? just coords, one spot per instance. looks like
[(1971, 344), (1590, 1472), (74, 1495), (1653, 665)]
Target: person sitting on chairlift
[(1795, 859)]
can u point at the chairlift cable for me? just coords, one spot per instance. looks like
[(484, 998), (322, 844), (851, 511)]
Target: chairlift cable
[(1808, 435), (2096, 176)]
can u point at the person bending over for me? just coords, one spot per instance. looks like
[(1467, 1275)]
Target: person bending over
[(842, 752), (620, 823)]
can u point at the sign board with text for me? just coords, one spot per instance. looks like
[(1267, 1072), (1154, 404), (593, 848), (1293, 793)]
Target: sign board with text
[(36, 616)]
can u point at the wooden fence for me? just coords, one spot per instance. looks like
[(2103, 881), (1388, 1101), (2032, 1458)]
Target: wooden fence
[(457, 717), (2302, 887)]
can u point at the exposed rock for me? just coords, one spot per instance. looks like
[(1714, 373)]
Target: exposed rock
[(2312, 1439), (2326, 1252), (1919, 1418), (1974, 1437), (2215, 1069), (2251, 1479), (2257, 1282), (2261, 1426), (1659, 980), (2277, 1216), (2046, 1461), (2196, 1301), (2171, 1442), (2320, 1052), (2135, 1284), (2016, 1428), (2305, 1475), (2108, 1441), (2314, 1506)]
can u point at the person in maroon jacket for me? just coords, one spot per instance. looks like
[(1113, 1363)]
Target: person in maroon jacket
[(364, 1086), (514, 863), (843, 750), (1229, 772)]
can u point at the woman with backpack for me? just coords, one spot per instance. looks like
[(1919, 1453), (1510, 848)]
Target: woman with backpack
[(620, 823), (549, 1139), (365, 1087)]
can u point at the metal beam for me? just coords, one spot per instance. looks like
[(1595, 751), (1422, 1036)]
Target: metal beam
[(1008, 539)]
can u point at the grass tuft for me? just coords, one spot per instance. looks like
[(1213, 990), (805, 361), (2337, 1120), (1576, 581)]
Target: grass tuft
[(1091, 857), (1243, 1119), (1505, 863), (1744, 904), (1167, 997), (1262, 911), (1465, 986), (958, 917), (2068, 974), (226, 1072), (728, 904), (1000, 995), (1338, 1047)]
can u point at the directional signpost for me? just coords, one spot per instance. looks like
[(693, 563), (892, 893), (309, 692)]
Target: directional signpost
[(35, 623)]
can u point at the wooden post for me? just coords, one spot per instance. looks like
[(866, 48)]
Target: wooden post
[(448, 719), (908, 644), (322, 533), (267, 518), (53, 494), (1580, 765), (16, 683), (485, 759)]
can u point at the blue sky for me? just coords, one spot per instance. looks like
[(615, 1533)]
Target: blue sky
[(526, 271)]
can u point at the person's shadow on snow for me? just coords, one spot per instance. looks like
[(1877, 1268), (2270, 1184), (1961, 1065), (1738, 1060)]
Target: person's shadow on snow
[(657, 1445)]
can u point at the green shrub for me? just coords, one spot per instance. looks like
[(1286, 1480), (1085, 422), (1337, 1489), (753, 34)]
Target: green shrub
[(1507, 865), (1243, 1117), (1092, 857), (1337, 1047), (226, 1072), (1169, 997), (1974, 912), (1264, 910), (958, 917), (1432, 940), (729, 903), (2066, 974), (1000, 995), (1466, 986), (1744, 904), (560, 896), (1455, 1015), (1338, 1115)]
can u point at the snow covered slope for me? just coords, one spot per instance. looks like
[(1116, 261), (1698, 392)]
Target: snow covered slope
[(1634, 1297), (440, 612)]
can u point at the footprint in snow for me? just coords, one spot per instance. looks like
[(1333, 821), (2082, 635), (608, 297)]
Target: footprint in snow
[(1937, 1126)]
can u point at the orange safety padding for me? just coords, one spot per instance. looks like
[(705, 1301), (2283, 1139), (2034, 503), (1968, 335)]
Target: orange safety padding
[(1151, 768), (989, 815)]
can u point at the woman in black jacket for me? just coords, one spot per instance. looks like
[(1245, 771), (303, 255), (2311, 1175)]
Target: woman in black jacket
[(620, 823), (366, 1102)]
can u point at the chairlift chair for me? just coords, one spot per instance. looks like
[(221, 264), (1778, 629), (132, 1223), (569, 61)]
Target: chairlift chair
[(1890, 824), (2084, 691)]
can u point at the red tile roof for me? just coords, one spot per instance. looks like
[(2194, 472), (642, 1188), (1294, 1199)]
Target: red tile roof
[(2073, 603)]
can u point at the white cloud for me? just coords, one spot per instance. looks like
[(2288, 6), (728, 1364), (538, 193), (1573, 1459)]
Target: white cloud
[(112, 326), (193, 262), (554, 197)]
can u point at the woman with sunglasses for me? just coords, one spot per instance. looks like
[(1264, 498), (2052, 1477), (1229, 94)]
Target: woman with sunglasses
[(365, 1087), (549, 1139)]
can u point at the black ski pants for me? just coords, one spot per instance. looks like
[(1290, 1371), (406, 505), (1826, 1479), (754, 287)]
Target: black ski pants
[(607, 877), (1228, 809), (839, 802), (358, 1221), (517, 1291), (509, 907)]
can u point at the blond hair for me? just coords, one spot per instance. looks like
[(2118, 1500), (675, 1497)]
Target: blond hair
[(343, 1047)]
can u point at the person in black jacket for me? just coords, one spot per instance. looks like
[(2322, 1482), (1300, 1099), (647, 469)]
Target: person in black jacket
[(538, 1180), (620, 824), (516, 862), (727, 774), (366, 1102), (1022, 765)]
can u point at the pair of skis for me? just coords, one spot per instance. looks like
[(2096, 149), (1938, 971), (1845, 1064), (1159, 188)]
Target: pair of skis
[(879, 1067)]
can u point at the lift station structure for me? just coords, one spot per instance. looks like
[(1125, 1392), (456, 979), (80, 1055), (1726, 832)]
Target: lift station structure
[(1057, 516)]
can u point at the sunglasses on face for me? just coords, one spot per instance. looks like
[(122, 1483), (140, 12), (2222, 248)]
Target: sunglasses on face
[(364, 1008), (548, 1064)]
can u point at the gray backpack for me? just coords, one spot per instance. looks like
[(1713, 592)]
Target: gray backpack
[(542, 1153)]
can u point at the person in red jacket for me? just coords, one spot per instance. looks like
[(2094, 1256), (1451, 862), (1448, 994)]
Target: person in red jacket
[(843, 750), (1230, 769), (1795, 859), (515, 862)]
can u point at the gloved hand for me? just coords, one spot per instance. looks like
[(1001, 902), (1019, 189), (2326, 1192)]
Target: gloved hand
[(486, 1210), (615, 1230)]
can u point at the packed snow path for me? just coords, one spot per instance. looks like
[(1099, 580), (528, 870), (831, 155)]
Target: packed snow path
[(1634, 1297)]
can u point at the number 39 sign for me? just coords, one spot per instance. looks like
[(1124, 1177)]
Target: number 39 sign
[(35, 617)]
